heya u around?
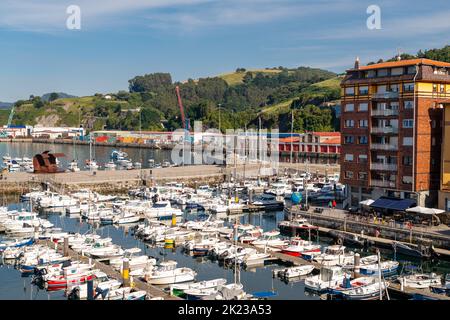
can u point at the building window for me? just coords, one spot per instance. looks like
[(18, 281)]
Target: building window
[(408, 123), (435, 87), (363, 140), (409, 104), (382, 88), (349, 157), (407, 141), (363, 123), (362, 176), (349, 139), (350, 91), (363, 107), (363, 90), (396, 71), (394, 87), (362, 158), (407, 160), (383, 72), (371, 74), (442, 88), (349, 174), (349, 123), (408, 87), (433, 141), (411, 70), (407, 179), (350, 107)]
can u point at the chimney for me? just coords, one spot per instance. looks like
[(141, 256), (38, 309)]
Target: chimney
[(357, 63)]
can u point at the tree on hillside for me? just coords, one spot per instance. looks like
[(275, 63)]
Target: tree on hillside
[(37, 102), (150, 82), (53, 96)]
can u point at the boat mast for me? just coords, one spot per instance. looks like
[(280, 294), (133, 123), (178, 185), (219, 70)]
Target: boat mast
[(379, 274)]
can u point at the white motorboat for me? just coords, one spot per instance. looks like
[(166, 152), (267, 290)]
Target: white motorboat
[(162, 209), (168, 273), (126, 217), (335, 255), (110, 165), (179, 289), (420, 280), (270, 239), (328, 277), (73, 166), (294, 272)]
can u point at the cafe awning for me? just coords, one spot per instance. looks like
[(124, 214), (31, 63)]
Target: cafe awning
[(424, 210), (393, 203)]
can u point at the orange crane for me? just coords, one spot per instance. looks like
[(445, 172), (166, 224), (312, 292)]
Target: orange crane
[(184, 120)]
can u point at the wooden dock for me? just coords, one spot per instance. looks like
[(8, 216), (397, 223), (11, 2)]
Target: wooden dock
[(151, 290)]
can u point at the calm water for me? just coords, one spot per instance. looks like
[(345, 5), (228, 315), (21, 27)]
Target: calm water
[(81, 153), (13, 286)]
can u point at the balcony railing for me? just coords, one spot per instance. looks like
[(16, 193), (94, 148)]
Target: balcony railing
[(384, 112), (384, 130), (383, 146), (382, 183), (385, 95), (383, 166)]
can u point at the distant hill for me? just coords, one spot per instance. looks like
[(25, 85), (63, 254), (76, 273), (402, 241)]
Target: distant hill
[(5, 105), (61, 95)]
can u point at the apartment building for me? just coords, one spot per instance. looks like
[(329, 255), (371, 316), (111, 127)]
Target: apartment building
[(320, 144), (391, 127), (444, 193)]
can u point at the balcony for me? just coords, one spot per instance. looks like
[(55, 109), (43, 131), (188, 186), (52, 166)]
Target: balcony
[(382, 183), (384, 112), (384, 130), (383, 166), (385, 95), (384, 146)]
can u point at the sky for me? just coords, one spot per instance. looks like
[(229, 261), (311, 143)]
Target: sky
[(119, 39)]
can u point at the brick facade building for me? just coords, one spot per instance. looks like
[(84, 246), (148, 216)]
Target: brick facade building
[(391, 128)]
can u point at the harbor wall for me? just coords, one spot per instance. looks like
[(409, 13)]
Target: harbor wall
[(396, 232)]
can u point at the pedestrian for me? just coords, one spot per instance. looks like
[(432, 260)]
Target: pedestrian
[(334, 204), (330, 204)]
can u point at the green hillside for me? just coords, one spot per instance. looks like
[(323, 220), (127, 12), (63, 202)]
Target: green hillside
[(151, 101)]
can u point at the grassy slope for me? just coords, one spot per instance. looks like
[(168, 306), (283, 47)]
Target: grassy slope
[(235, 78), (330, 83)]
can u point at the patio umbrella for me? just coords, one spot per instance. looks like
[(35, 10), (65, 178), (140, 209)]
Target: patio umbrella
[(424, 210), (427, 211), (367, 202)]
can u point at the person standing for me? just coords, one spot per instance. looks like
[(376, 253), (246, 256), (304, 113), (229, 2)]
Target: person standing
[(334, 204)]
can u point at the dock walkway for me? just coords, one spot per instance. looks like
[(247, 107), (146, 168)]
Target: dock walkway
[(152, 291)]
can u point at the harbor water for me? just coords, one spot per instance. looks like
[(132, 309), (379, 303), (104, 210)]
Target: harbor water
[(259, 279), (81, 153)]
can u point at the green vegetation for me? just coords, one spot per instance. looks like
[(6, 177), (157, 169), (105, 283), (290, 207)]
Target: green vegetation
[(151, 103)]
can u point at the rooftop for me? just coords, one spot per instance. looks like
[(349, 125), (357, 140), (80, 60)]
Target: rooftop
[(404, 63)]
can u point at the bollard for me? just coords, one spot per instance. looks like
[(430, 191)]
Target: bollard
[(174, 219), (356, 266), (66, 247), (90, 289), (126, 273)]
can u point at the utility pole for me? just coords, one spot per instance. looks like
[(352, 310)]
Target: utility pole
[(292, 130)]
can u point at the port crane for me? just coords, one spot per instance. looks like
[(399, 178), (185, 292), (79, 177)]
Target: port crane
[(185, 121)]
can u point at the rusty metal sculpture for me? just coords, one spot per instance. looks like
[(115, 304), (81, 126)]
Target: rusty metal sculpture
[(46, 162)]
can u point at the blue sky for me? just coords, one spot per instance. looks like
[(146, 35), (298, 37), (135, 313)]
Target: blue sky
[(198, 38)]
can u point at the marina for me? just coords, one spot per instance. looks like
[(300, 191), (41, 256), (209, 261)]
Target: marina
[(170, 240)]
